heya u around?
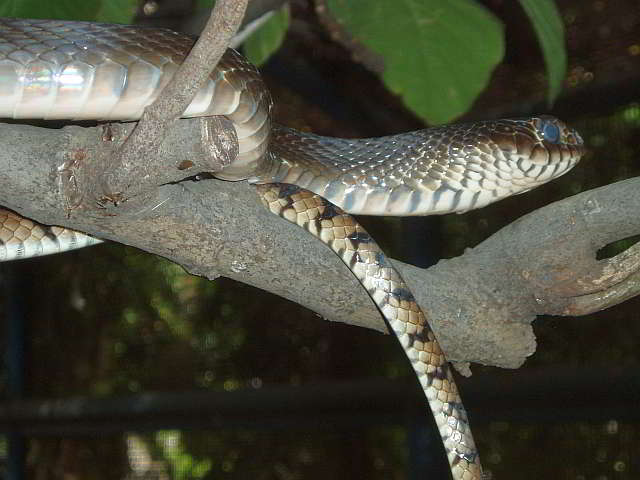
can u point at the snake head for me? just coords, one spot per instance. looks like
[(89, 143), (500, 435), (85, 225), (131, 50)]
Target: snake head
[(542, 141), (536, 149)]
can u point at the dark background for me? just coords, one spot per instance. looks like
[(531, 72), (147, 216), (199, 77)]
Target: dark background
[(120, 365)]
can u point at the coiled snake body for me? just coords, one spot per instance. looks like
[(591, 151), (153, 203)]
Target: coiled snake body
[(80, 70)]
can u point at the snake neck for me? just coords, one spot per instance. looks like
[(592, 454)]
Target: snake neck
[(439, 170)]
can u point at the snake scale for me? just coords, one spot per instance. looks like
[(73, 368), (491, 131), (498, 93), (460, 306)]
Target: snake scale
[(79, 70)]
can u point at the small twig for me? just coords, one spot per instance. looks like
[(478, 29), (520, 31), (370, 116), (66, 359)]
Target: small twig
[(160, 116)]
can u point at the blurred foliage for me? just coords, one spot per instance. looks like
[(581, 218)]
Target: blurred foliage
[(183, 464), (268, 38), (547, 22), (112, 320), (597, 450), (114, 11)]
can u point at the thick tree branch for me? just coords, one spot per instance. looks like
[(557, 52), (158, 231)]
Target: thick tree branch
[(481, 304), (542, 264)]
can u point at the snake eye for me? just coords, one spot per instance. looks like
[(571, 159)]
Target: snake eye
[(550, 132)]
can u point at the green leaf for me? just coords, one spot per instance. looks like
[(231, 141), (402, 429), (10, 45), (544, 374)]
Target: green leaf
[(119, 11), (438, 55), (61, 9), (268, 38), (549, 28)]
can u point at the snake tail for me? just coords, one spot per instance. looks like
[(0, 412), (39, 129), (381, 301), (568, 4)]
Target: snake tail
[(392, 296), (24, 238)]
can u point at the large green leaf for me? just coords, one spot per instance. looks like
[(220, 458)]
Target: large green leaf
[(438, 54), (118, 11), (268, 38), (548, 25)]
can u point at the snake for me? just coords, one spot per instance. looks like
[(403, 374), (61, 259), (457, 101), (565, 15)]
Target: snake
[(64, 70)]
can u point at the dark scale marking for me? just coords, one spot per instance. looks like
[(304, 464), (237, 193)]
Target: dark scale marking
[(474, 199), (355, 259), (50, 235), (317, 222), (403, 294), (441, 373), (329, 211), (468, 457), (372, 289), (358, 238), (286, 190), (450, 407), (556, 167), (381, 260), (456, 200), (436, 196), (424, 338), (414, 201)]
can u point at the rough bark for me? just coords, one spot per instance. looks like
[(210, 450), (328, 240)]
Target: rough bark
[(481, 304)]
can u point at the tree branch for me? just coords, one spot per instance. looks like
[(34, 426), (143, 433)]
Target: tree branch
[(481, 304), (542, 264)]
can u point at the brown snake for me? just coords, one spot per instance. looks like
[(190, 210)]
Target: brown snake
[(79, 70)]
